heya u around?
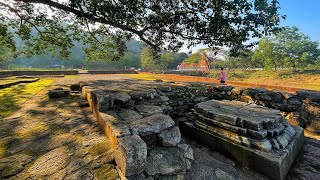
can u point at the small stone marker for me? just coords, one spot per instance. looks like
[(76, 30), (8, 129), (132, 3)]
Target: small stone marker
[(58, 93)]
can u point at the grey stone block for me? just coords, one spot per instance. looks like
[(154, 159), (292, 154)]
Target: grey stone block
[(131, 155), (151, 124), (170, 136), (147, 110), (165, 161)]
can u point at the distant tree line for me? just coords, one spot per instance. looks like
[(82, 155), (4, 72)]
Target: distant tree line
[(77, 59), (289, 49)]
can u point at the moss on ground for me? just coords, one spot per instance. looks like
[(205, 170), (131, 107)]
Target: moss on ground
[(26, 132), (11, 98), (107, 171), (99, 148), (72, 76)]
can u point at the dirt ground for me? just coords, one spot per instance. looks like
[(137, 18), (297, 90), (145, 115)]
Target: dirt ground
[(60, 139)]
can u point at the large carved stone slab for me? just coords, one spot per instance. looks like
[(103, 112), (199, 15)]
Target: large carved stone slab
[(257, 136), (240, 114)]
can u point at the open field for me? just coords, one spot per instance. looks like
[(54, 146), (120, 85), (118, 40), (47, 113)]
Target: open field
[(282, 80)]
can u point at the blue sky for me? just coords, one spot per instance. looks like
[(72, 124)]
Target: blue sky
[(304, 14)]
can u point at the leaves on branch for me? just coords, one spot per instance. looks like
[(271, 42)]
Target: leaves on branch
[(167, 24)]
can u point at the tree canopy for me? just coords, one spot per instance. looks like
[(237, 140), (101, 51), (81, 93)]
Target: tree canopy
[(289, 48), (104, 26)]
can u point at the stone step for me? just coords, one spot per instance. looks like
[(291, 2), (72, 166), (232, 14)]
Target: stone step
[(264, 145), (236, 129)]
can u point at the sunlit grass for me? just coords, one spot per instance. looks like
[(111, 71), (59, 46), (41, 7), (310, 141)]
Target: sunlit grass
[(11, 98)]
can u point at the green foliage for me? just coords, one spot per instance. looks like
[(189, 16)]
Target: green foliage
[(165, 24), (288, 48), (267, 54), (296, 49), (193, 58), (178, 58), (147, 59), (7, 45), (162, 62)]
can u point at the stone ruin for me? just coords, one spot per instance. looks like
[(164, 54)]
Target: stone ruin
[(256, 136), (146, 142), (144, 123)]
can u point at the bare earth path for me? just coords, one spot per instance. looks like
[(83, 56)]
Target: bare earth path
[(60, 139)]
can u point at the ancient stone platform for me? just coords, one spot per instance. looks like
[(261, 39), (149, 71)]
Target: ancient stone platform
[(151, 112), (257, 136), (145, 140)]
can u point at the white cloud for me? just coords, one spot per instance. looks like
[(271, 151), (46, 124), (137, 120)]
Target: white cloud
[(193, 49)]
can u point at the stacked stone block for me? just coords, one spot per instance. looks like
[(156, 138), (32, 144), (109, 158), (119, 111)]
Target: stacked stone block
[(257, 136), (140, 133), (246, 124)]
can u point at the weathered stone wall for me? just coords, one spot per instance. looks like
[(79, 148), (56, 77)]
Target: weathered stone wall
[(36, 73), (146, 142), (302, 108), (5, 74), (118, 71)]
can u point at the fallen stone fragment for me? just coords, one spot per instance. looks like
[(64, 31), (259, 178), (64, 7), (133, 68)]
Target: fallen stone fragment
[(122, 97), (58, 93), (75, 87), (187, 150), (151, 124), (165, 160), (170, 136)]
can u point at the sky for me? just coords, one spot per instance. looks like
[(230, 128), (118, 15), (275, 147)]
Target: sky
[(304, 14)]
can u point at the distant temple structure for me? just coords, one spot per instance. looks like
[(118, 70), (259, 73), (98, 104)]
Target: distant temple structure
[(204, 63)]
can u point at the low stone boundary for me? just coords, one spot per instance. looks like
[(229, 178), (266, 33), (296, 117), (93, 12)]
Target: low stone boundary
[(121, 71), (2, 86), (301, 108), (4, 74), (36, 73)]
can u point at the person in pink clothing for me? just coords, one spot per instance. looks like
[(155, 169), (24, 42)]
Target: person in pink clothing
[(223, 76)]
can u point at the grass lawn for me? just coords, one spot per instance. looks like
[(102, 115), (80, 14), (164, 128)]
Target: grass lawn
[(11, 98)]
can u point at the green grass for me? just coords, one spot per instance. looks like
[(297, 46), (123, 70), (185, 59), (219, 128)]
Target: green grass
[(12, 98)]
